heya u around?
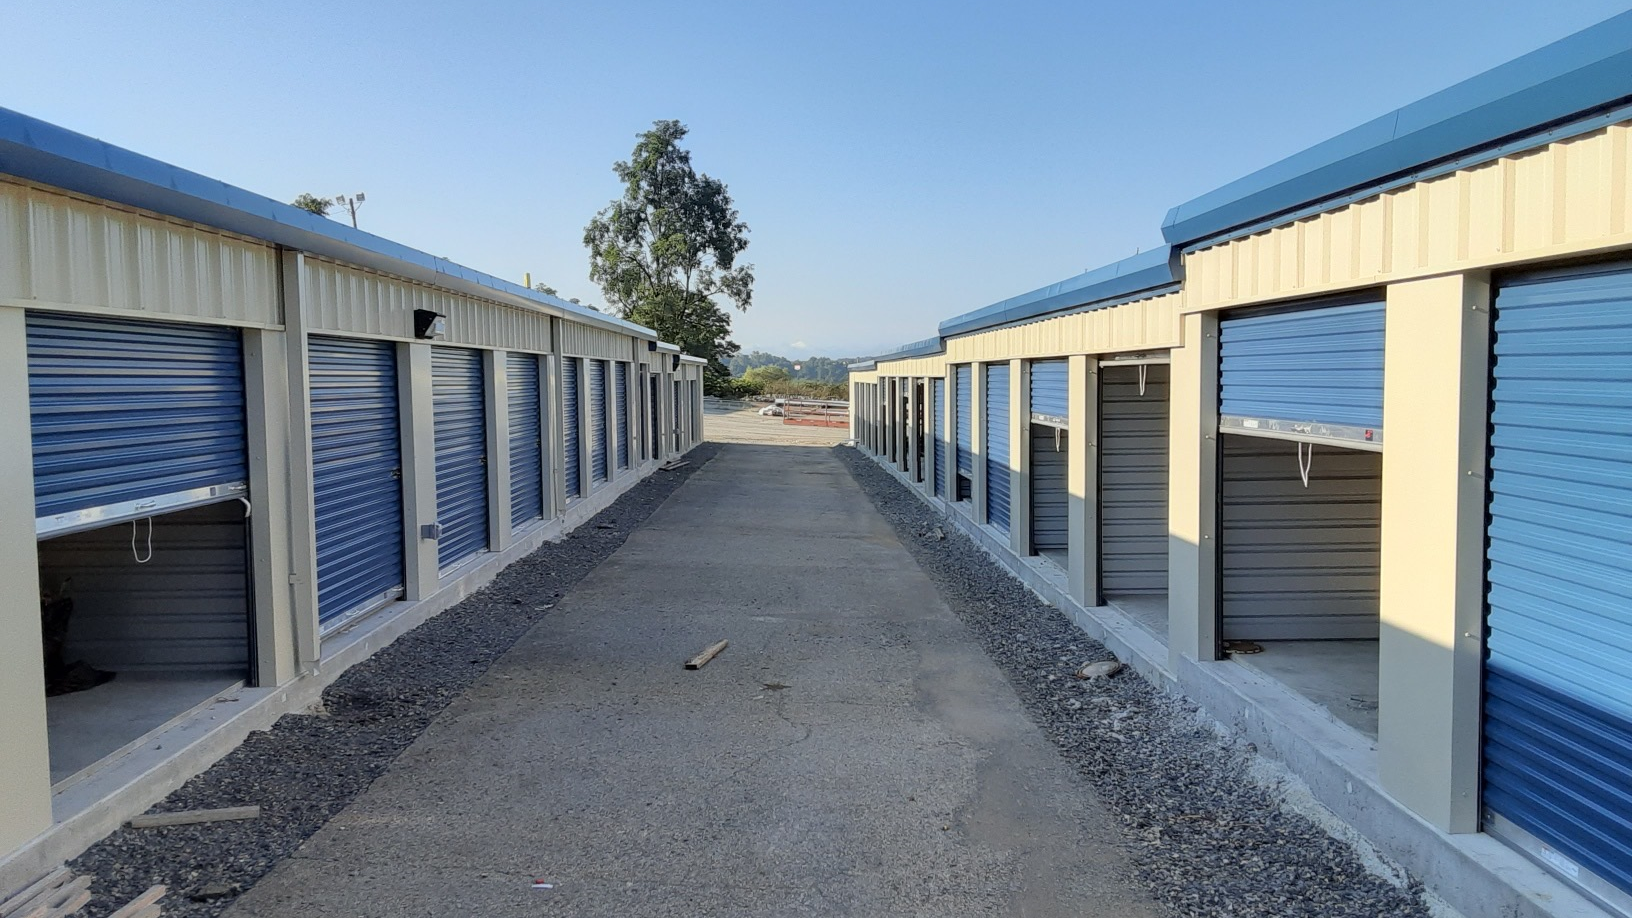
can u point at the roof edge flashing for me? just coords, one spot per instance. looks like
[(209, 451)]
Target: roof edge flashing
[(1109, 285)]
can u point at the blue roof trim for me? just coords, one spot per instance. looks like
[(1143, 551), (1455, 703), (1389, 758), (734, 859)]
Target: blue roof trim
[(862, 366), (922, 348), (1155, 268), (1575, 75), (42, 152)]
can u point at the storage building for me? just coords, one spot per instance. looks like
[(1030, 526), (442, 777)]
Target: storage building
[(1349, 462), (247, 447)]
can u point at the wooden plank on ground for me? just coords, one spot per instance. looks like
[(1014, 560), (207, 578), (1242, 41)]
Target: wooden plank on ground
[(32, 891), (59, 901), (193, 817), (137, 907), (701, 660)]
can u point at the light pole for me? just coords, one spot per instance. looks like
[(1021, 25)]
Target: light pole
[(351, 204)]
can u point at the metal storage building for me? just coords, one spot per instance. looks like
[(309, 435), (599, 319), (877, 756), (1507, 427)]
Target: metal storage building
[(1349, 462), (260, 445)]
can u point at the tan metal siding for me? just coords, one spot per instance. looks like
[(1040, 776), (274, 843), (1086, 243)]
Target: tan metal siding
[(581, 340), (1568, 197), (63, 252), (341, 298)]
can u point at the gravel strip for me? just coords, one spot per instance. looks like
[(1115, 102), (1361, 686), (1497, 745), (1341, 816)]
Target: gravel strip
[(1205, 839), (308, 767)]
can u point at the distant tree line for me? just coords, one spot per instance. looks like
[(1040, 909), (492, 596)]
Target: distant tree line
[(778, 382), (815, 369)]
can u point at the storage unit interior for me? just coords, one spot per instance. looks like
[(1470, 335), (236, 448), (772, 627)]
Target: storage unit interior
[(1133, 474), (164, 616), (1299, 568)]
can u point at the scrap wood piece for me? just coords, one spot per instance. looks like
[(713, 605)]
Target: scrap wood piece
[(145, 905), (28, 894), (673, 464), (193, 817), (701, 660), (63, 900)]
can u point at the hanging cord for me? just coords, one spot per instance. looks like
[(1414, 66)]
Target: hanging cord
[(248, 508), (1142, 368), (1056, 439), (133, 552), (1306, 461)]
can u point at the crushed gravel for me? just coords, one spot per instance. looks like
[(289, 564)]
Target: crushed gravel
[(1206, 839), (309, 766)]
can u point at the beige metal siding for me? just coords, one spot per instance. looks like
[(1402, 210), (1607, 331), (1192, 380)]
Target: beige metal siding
[(63, 252), (1568, 197), (1151, 324), (341, 298), (581, 340)]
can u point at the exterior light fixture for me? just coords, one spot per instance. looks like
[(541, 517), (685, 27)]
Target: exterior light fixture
[(428, 324)]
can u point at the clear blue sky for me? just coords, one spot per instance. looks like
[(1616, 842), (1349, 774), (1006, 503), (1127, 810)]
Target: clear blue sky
[(898, 163)]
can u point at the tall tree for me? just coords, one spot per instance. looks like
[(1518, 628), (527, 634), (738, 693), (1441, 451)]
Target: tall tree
[(666, 252), (313, 203)]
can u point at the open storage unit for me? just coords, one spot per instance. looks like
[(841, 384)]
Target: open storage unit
[(141, 492), (1133, 473), (1300, 497)]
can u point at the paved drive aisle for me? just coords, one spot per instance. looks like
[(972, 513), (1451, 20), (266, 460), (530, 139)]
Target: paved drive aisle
[(893, 775)]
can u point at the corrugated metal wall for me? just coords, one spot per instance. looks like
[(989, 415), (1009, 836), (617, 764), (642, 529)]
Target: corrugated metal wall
[(457, 392), (1316, 363), (186, 609), (1133, 439), (58, 251), (581, 340), (342, 298), (1151, 324), (1558, 673), (995, 436), (1050, 497), (128, 416), (357, 474), (1299, 563), (526, 441), (1569, 193)]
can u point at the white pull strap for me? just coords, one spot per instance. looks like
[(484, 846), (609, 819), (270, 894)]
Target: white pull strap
[(133, 552), (1306, 461)]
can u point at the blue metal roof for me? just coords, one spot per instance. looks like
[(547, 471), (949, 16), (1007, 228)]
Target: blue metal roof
[(1589, 70), (41, 152), (916, 349), (1145, 271)]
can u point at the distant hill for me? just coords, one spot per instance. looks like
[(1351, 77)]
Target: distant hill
[(817, 369)]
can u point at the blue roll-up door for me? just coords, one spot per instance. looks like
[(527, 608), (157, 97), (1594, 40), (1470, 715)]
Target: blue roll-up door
[(571, 367), (937, 427), (356, 475), (1313, 373), (130, 419), (996, 431), (1048, 392), (526, 441), (1557, 762), (962, 399), (620, 396), (597, 421), (461, 453)]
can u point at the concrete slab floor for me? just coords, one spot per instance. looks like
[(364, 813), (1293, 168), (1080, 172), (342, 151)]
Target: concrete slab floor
[(1340, 676), (85, 727), (852, 752), (1148, 611)]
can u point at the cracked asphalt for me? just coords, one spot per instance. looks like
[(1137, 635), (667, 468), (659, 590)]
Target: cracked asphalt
[(852, 752)]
